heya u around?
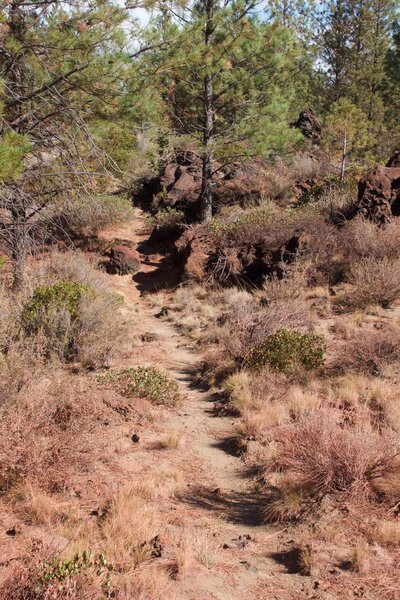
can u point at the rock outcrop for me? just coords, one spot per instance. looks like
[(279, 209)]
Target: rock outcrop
[(379, 192), (394, 161), (122, 260), (310, 126), (199, 258), (179, 185)]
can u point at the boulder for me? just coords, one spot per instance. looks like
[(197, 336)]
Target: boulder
[(379, 194), (123, 260), (199, 258), (193, 251), (394, 161), (309, 125)]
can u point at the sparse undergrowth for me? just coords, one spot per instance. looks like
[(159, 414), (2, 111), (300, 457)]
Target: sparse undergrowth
[(145, 382), (287, 350)]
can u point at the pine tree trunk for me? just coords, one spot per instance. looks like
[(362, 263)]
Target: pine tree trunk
[(205, 212), (206, 187), (18, 244), (344, 156), (18, 229)]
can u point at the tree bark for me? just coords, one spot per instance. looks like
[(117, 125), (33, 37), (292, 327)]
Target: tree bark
[(344, 156), (18, 243), (206, 195)]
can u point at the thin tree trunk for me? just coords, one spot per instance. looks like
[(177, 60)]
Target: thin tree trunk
[(18, 244), (17, 210), (205, 212), (344, 156)]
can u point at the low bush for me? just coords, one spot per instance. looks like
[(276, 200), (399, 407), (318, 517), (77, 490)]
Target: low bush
[(71, 321), (145, 382), (321, 454), (374, 281), (167, 219), (83, 577), (90, 214), (248, 323), (286, 350), (61, 296), (370, 351), (63, 575)]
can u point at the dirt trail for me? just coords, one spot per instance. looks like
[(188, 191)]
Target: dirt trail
[(219, 485)]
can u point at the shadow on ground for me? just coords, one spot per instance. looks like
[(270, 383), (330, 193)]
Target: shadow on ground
[(243, 508), (164, 274)]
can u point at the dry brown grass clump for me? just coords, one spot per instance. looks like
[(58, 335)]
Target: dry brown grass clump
[(50, 437), (374, 281), (370, 351), (64, 312), (321, 453)]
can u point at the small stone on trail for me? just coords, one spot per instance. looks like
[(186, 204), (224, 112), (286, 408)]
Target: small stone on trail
[(149, 337)]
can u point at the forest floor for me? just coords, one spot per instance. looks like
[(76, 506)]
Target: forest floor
[(216, 504)]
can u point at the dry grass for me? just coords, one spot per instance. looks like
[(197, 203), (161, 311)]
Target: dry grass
[(87, 335), (323, 454), (374, 281), (171, 441), (51, 436), (370, 351)]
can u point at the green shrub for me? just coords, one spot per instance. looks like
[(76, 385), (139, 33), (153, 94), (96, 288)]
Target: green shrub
[(90, 214), (146, 382), (285, 350), (63, 573), (48, 299), (73, 321), (167, 218)]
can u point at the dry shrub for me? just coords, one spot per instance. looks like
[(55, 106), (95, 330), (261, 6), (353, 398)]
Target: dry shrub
[(337, 204), (370, 351), (305, 166), (362, 238), (72, 267), (374, 281), (86, 334), (248, 323), (89, 214), (50, 437), (291, 286), (322, 454)]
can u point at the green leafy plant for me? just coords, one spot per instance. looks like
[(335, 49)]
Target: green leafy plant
[(58, 297), (167, 218), (64, 572), (284, 350), (72, 320), (146, 382)]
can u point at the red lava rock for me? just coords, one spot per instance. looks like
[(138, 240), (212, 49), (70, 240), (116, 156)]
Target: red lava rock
[(122, 260), (379, 192)]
